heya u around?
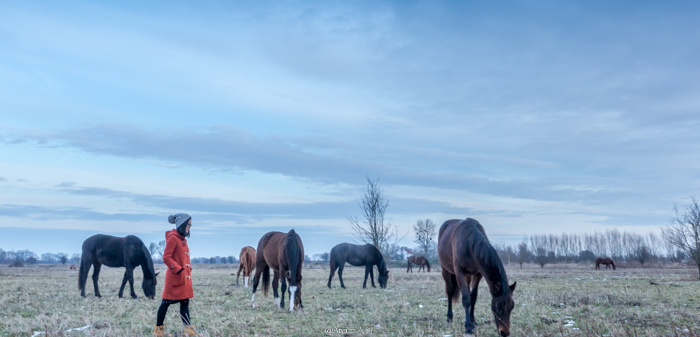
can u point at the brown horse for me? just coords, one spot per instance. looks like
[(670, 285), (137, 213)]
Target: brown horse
[(606, 261), (466, 256), (247, 264), (72, 267), (421, 261), (284, 253)]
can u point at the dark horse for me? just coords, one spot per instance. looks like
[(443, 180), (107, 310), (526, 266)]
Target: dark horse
[(365, 255), (606, 261), (284, 253), (421, 261), (466, 256), (112, 251)]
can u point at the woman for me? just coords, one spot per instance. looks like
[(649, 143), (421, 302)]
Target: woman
[(178, 280)]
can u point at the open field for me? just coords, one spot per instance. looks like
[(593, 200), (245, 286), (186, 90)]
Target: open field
[(555, 301)]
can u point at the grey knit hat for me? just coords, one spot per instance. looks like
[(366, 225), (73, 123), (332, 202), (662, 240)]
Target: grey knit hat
[(179, 219)]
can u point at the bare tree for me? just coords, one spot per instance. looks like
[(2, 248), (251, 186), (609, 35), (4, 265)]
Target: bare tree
[(373, 229), (683, 232), (522, 253), (425, 235), (538, 245)]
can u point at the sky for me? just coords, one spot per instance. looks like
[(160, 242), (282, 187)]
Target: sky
[(531, 117)]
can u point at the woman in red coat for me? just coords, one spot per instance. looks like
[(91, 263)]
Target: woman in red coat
[(178, 280)]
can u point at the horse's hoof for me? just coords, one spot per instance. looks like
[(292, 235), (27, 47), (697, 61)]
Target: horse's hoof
[(449, 320), (468, 335)]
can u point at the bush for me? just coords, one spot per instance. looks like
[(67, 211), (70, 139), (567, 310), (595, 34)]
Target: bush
[(16, 263)]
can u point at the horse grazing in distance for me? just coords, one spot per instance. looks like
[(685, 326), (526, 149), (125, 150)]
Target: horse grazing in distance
[(466, 256), (606, 261), (111, 251), (247, 264), (284, 254), (72, 267), (421, 261), (365, 255)]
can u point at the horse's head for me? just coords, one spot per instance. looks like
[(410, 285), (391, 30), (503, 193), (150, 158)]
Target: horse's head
[(501, 306), (428, 268), (149, 286), (383, 277), (297, 298)]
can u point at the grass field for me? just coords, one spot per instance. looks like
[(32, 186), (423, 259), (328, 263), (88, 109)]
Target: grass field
[(559, 300)]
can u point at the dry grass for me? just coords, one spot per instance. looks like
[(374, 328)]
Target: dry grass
[(607, 303)]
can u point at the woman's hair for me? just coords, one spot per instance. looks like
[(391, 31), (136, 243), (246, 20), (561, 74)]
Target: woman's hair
[(182, 230)]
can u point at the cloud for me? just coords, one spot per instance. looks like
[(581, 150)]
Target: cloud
[(2, 179), (70, 213)]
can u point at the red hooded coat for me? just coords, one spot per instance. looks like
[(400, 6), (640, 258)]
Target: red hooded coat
[(177, 256)]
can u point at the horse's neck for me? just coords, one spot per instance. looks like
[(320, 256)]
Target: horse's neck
[(145, 267), (494, 275)]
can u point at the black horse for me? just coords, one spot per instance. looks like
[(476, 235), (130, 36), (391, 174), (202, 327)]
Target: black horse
[(365, 255), (112, 251)]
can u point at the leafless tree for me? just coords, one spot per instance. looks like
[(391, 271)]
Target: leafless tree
[(373, 229), (538, 245), (683, 232), (523, 253), (425, 235)]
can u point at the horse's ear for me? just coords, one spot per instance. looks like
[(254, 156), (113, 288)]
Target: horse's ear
[(512, 286)]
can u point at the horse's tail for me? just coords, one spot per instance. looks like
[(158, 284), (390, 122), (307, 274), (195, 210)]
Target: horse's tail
[(266, 279), (455, 289), (292, 250)]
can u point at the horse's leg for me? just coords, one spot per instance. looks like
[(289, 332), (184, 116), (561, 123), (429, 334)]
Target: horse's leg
[(259, 267), (284, 289), (275, 284), (340, 275), (408, 265), (240, 267), (474, 285), (126, 278), (466, 303), (371, 275), (84, 270), (449, 291), (96, 276), (330, 278), (364, 285), (130, 271)]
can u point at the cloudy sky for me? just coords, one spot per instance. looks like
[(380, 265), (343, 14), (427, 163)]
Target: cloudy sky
[(530, 117)]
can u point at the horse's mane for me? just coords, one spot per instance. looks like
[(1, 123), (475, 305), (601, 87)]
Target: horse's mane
[(149, 264), (293, 254), (484, 251)]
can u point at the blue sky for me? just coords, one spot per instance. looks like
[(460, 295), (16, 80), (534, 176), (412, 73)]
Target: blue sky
[(530, 117)]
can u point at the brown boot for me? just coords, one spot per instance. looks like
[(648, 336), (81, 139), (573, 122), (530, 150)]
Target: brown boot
[(189, 331), (159, 331)]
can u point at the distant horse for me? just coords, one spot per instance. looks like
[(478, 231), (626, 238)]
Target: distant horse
[(247, 264), (284, 253), (606, 261), (72, 267), (418, 260), (365, 255), (466, 256), (112, 251)]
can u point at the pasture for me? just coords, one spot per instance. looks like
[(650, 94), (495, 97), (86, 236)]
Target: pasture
[(559, 300)]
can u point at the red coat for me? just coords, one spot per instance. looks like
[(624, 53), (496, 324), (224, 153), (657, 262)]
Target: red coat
[(177, 256)]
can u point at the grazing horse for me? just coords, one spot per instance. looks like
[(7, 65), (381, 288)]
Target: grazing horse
[(466, 256), (247, 264), (365, 255), (112, 251), (606, 261), (284, 253), (72, 267), (418, 260)]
